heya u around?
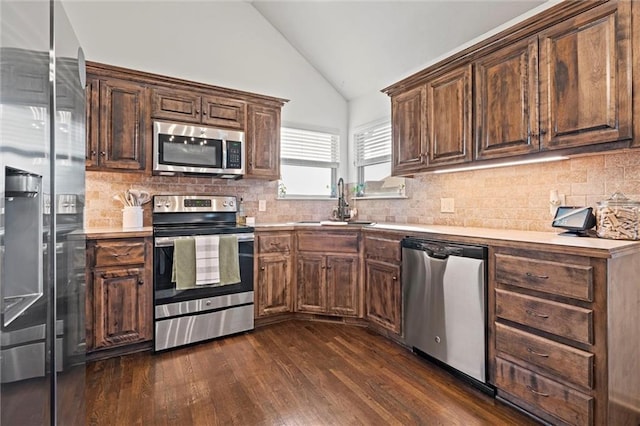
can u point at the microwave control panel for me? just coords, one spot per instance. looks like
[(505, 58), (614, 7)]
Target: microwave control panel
[(234, 155)]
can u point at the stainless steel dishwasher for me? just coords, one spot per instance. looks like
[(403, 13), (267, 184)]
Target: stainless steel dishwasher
[(445, 298)]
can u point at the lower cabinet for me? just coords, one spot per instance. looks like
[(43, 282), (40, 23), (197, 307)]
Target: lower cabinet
[(119, 297), (327, 271), (273, 275), (383, 288)]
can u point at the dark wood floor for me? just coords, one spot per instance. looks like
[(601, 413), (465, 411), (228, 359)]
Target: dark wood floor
[(292, 373)]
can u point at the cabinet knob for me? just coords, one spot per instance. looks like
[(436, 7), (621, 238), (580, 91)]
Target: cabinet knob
[(328, 267), (197, 111), (93, 152), (204, 113), (140, 282), (262, 268), (103, 153), (394, 278)]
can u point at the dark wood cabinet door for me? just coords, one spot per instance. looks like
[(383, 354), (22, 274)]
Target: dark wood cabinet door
[(507, 101), (121, 307), (176, 105), (585, 84), (222, 112), (449, 107), (274, 284), (384, 295), (342, 285), (263, 142), (92, 97), (311, 285), (408, 120), (123, 125)]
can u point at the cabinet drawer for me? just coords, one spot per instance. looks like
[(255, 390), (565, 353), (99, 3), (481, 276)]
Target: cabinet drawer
[(109, 253), (559, 401), (274, 243), (382, 248), (571, 364), (563, 320), (326, 242), (562, 279)]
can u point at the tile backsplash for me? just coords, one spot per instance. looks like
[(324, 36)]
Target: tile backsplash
[(508, 197)]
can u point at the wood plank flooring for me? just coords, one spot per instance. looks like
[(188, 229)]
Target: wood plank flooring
[(292, 373)]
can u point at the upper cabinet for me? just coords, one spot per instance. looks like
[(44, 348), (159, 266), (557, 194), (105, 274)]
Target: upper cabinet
[(117, 124), (122, 104), (263, 142), (408, 120), (506, 119), (560, 80), (449, 106), (585, 78), (191, 107)]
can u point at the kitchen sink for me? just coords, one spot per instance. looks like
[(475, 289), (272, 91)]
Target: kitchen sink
[(331, 222)]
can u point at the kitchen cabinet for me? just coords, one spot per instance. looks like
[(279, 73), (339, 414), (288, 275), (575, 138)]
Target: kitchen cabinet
[(117, 124), (549, 332), (274, 269), (449, 125), (408, 117), (585, 78), (263, 142), (119, 298), (558, 81), (506, 115), (327, 273), (193, 107), (383, 285)]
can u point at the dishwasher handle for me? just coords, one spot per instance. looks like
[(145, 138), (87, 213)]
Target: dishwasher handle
[(442, 250)]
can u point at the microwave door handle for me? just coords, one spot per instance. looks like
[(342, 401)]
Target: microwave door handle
[(224, 154)]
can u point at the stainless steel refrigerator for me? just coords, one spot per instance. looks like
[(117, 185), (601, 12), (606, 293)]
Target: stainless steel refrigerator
[(42, 145)]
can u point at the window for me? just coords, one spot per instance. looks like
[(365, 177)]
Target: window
[(309, 163), (373, 162)]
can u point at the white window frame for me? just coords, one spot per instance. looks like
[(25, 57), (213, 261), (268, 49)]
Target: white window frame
[(316, 148), (375, 136)]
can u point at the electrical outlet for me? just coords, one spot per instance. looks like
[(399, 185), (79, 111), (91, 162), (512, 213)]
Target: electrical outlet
[(446, 205), (262, 205)]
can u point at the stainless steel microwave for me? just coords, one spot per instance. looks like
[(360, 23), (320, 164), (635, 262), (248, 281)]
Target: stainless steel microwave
[(192, 149)]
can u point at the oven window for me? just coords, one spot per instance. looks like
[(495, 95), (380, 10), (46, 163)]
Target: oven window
[(166, 292), (190, 151)]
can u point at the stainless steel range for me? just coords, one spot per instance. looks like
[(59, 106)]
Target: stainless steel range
[(203, 270)]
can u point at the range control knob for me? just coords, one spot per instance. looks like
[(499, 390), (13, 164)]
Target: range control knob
[(231, 203), (224, 204)]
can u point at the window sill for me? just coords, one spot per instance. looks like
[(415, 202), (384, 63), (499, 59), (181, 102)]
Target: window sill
[(381, 197), (303, 198)]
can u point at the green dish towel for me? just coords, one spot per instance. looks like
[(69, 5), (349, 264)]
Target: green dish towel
[(183, 272), (229, 260)]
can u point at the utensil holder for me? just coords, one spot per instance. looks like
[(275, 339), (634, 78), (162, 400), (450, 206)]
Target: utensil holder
[(132, 217)]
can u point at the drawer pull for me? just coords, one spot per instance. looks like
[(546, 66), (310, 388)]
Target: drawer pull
[(535, 314), (540, 277), (275, 244), (531, 351), (535, 392)]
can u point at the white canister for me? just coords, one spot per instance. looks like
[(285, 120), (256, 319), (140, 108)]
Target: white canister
[(132, 217)]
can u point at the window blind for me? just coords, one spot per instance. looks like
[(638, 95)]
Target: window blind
[(373, 145), (308, 148)]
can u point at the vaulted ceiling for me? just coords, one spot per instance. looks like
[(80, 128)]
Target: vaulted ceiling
[(363, 46)]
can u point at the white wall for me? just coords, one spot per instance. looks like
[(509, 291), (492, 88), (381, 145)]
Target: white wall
[(227, 44)]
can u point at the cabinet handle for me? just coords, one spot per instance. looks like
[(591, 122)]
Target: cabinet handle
[(531, 351), (394, 278), (328, 267), (197, 111), (140, 282), (535, 314), (103, 153), (543, 132), (541, 277), (323, 267), (533, 391), (204, 113), (275, 244), (262, 268), (93, 152)]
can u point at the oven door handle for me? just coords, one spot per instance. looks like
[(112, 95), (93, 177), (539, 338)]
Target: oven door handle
[(168, 241)]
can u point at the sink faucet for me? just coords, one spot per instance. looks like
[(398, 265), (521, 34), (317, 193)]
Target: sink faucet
[(343, 214)]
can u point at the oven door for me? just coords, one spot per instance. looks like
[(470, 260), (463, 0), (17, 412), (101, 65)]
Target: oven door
[(165, 291)]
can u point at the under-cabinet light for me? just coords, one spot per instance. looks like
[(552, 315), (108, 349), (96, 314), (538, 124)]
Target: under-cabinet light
[(505, 164)]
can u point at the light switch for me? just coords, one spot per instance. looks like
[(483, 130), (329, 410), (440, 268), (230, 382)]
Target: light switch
[(262, 205)]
